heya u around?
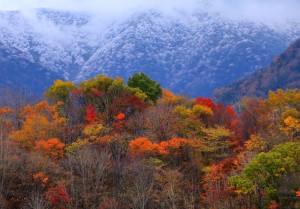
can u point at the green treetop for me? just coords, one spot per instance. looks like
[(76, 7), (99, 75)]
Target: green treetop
[(150, 87)]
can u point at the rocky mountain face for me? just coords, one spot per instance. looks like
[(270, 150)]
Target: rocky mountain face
[(190, 54), (283, 72)]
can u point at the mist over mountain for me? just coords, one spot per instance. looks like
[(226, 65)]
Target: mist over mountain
[(271, 11), (191, 48)]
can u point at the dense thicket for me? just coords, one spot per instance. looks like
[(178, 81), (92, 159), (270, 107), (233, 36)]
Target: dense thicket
[(103, 144)]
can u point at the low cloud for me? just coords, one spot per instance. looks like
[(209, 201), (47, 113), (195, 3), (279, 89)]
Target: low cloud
[(260, 10)]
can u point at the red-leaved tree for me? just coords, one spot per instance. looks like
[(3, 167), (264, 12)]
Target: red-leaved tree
[(91, 115), (58, 197)]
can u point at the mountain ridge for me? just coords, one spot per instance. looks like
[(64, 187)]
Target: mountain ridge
[(283, 72), (193, 54)]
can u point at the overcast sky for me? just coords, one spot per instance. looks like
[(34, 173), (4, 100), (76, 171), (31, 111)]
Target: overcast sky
[(270, 10)]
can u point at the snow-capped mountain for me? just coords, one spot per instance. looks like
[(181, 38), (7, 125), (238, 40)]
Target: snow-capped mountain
[(191, 54)]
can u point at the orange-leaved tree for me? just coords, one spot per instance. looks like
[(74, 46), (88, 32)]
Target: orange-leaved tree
[(168, 98), (143, 147), (38, 122), (52, 147), (4, 111), (41, 178), (217, 190)]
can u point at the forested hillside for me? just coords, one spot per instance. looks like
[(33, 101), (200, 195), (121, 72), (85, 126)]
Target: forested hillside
[(191, 53), (104, 144), (283, 72)]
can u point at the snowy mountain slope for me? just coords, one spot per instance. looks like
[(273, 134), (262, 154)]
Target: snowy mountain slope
[(17, 71), (191, 54), (52, 39)]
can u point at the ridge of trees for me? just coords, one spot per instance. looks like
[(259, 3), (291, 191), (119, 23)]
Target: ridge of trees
[(103, 144)]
